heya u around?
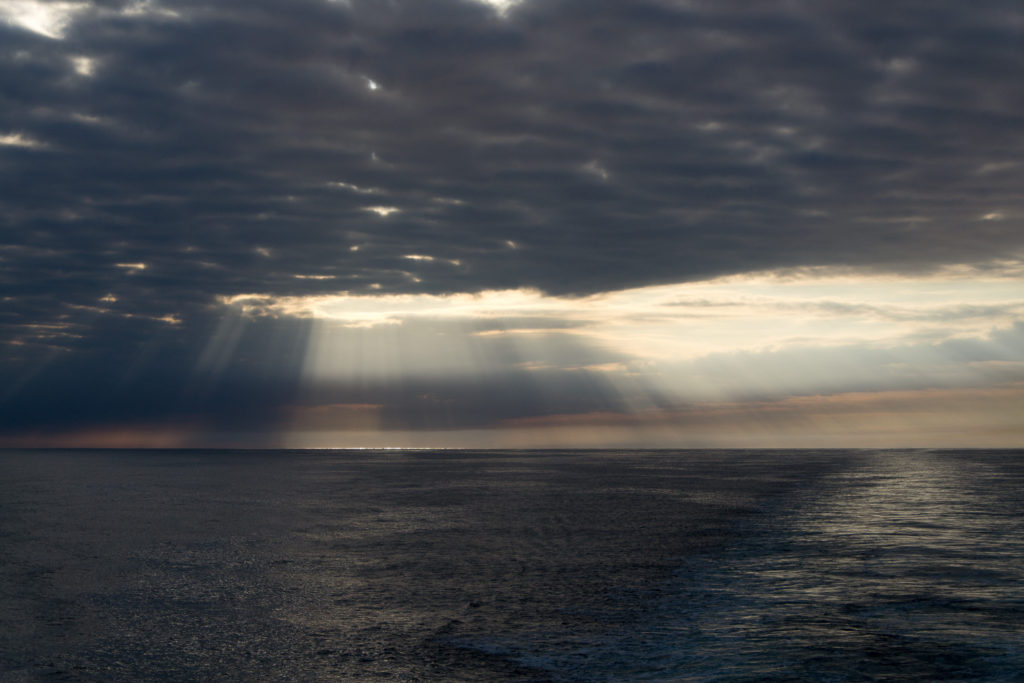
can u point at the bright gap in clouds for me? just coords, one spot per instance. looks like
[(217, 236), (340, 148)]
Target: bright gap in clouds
[(806, 358), (809, 357), (52, 19), (762, 312), (48, 19), (502, 6)]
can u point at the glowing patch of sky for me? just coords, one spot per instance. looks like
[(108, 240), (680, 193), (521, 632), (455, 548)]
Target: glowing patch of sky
[(19, 140), (745, 347), (743, 313), (52, 19), (382, 211), (48, 19), (502, 6), (84, 66)]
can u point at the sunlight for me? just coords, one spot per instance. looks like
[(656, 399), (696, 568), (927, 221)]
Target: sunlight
[(382, 211), (501, 6), (19, 140), (753, 313), (747, 344), (48, 19), (84, 66), (216, 356)]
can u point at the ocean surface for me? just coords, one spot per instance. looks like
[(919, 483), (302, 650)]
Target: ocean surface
[(831, 565)]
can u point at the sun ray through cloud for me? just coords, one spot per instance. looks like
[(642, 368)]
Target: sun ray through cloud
[(491, 214)]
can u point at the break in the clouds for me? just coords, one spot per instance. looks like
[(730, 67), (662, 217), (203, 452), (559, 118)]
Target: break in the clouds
[(212, 213)]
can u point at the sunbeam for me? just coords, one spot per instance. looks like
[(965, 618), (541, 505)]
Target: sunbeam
[(646, 359)]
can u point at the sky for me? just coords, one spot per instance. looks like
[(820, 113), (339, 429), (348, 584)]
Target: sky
[(543, 223)]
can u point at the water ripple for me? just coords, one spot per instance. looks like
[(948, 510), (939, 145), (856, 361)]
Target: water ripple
[(907, 567)]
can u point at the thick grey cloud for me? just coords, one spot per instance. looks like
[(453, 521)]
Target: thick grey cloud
[(571, 146)]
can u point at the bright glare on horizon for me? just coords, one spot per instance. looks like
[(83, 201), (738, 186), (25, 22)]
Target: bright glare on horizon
[(768, 336), (754, 312)]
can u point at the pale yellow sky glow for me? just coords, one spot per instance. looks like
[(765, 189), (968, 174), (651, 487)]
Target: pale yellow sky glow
[(758, 358), (52, 19), (963, 418), (45, 18), (84, 66), (19, 140), (764, 311), (501, 6)]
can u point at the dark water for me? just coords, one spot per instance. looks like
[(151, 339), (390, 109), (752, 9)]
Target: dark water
[(530, 566)]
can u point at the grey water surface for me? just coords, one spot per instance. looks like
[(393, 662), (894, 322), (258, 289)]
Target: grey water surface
[(512, 565)]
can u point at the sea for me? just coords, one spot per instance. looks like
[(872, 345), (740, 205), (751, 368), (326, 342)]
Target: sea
[(574, 565)]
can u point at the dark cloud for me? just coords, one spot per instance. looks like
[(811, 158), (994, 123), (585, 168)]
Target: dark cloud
[(575, 147)]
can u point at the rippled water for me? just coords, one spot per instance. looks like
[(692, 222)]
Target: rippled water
[(530, 566), (907, 566)]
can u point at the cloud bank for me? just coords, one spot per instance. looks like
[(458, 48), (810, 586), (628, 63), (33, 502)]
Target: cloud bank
[(159, 159)]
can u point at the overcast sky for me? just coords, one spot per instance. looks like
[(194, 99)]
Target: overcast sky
[(467, 223)]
